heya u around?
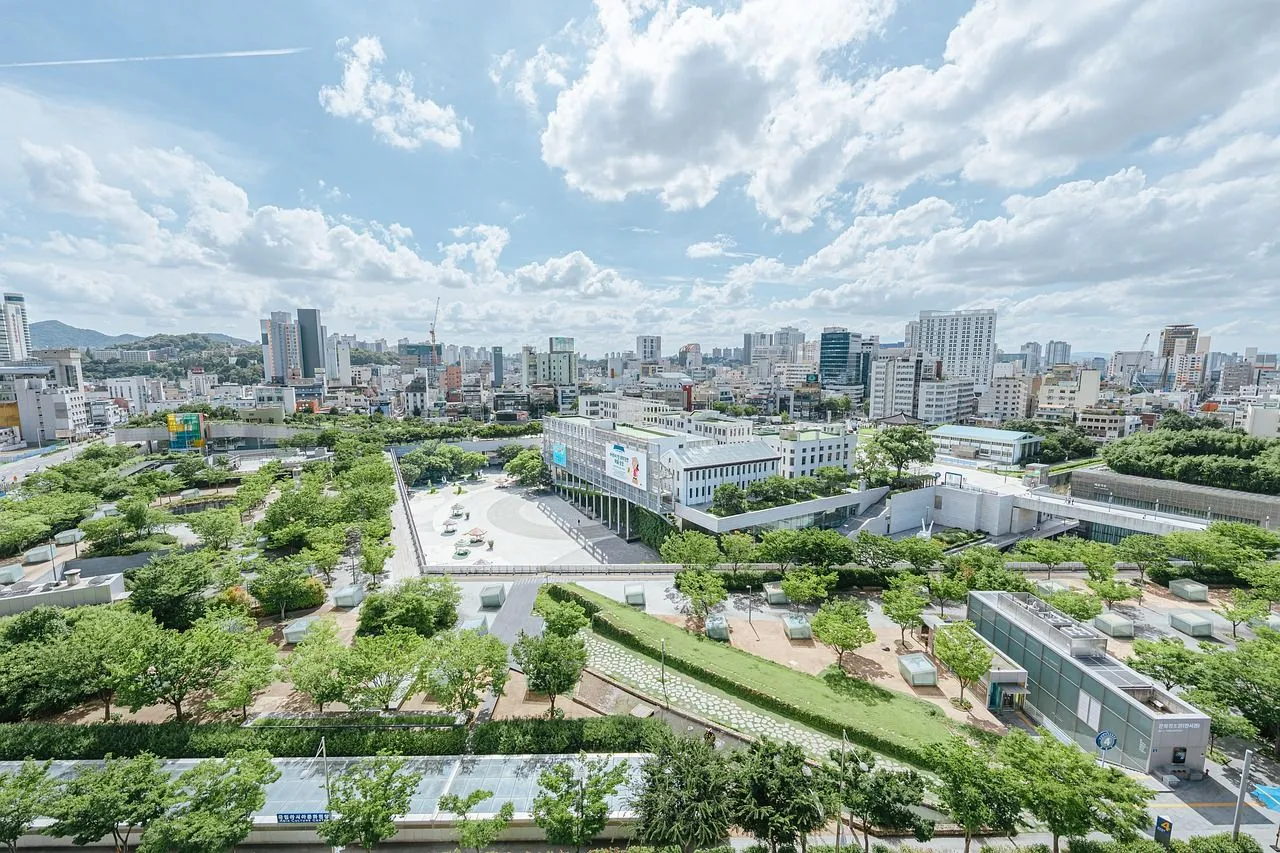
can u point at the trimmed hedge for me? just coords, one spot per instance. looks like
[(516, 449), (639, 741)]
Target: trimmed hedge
[(847, 578), (602, 623), (601, 734)]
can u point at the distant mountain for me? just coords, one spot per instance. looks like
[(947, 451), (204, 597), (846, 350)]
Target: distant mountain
[(52, 334)]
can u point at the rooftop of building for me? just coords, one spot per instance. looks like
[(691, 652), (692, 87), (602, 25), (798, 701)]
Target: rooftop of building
[(645, 432), (981, 433), (713, 455)]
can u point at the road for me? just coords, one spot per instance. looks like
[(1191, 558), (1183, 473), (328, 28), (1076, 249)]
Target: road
[(12, 472)]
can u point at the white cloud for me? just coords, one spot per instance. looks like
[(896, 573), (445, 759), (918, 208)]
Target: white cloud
[(398, 116), (575, 275), (716, 248)]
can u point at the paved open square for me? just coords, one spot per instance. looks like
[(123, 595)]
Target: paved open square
[(527, 528)]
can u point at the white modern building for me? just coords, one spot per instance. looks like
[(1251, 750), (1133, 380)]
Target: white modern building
[(1066, 391), (1262, 421), (133, 390), (281, 348), (15, 333), (1007, 447), (48, 412), (722, 429), (895, 384), (696, 472), (963, 341), (631, 410), (1007, 398), (803, 449), (649, 347), (337, 360), (1057, 352), (947, 401), (279, 397)]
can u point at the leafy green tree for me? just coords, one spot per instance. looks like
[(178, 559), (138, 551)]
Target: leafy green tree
[(777, 799), (551, 665), (1248, 537), (528, 468), (366, 800), (563, 618), (823, 548), (683, 799), (703, 589), (217, 528), (572, 805), (778, 546), (944, 588), (109, 531), (1066, 790), (899, 446), (1166, 660), (1110, 591), (903, 603), (214, 805), (171, 666), (1045, 551), (20, 531), (25, 795), (325, 557), (1208, 554), (832, 479), (806, 584), (381, 664), (96, 657), (878, 796), (251, 671), (320, 666), (1264, 580), (843, 626), (461, 666), (1223, 721), (738, 548), (691, 549), (874, 552), (283, 585), (962, 651), (475, 833), (172, 589), (977, 793), (118, 798), (1242, 606), (1080, 606), (924, 555), (1247, 678), (424, 605), (728, 499)]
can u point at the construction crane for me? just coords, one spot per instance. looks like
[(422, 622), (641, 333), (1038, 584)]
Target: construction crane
[(1133, 374), (433, 363)]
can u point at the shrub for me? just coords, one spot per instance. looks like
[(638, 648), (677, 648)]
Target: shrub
[(847, 578), (617, 733), (236, 599)]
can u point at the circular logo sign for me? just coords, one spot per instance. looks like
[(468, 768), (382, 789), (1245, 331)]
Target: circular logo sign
[(1106, 740)]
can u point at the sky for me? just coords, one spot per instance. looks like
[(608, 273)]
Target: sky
[(1094, 169)]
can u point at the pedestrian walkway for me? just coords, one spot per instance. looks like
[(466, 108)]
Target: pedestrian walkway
[(516, 614), (687, 695)]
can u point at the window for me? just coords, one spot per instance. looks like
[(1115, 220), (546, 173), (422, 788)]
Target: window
[(1089, 710)]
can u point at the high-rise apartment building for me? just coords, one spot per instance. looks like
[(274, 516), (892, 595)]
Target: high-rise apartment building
[(1057, 352), (791, 339), (1008, 398), (281, 349), (649, 347), (497, 367), (1034, 361), (15, 333), (337, 360), (753, 340), (895, 384), (310, 342), (963, 341)]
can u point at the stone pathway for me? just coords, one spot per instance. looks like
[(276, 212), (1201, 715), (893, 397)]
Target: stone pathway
[(687, 695)]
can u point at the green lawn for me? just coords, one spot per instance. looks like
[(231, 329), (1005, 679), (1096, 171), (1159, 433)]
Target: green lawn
[(881, 719)]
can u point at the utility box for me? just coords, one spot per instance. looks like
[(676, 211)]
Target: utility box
[(797, 627), (1271, 621), (917, 670), (1113, 625), (349, 596), (774, 595), (1189, 590), (297, 629), (11, 573), (717, 627), (68, 537), (633, 594), (1191, 623), (1050, 588), (43, 554), (493, 596), (480, 625)]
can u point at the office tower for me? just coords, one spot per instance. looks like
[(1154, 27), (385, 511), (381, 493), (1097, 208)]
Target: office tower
[(1032, 351), (753, 340), (791, 338), (895, 384), (1057, 352), (281, 349), (15, 334), (964, 341), (649, 347), (844, 360), (310, 342), (337, 360), (497, 367), (1171, 335)]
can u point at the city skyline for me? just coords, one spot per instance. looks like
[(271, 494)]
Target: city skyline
[(854, 171)]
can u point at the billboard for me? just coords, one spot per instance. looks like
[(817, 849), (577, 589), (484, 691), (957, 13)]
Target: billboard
[(627, 465), (186, 430), (559, 454)]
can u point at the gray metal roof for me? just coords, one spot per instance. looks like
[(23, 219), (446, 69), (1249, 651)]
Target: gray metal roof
[(709, 456)]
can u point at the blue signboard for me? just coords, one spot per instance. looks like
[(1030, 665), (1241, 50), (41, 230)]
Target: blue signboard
[(301, 817), (559, 454), (1106, 740)]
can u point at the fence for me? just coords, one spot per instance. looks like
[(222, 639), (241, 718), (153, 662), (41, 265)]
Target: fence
[(419, 556)]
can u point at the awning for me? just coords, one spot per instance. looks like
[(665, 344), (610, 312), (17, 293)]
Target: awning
[(1011, 690)]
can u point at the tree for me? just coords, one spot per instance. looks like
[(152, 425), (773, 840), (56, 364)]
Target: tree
[(1223, 721), (172, 589), (1044, 551), (564, 618), (424, 605), (703, 589), (962, 651), (898, 446), (684, 795), (320, 666), (1144, 552), (777, 798), (874, 552), (1078, 605), (366, 800), (832, 479), (1242, 606), (924, 555), (1264, 579), (217, 528), (823, 548), (778, 546), (1247, 678), (1166, 660), (728, 499), (252, 669), (528, 468), (978, 794), (324, 556), (121, 796), (95, 658), (476, 834), (1208, 554), (738, 548), (1248, 537), (842, 625), (214, 805), (25, 795), (1109, 590), (943, 588), (381, 666), (552, 665), (170, 666), (283, 585), (805, 584), (1065, 789), (878, 796), (691, 549), (463, 665), (572, 805), (903, 603)]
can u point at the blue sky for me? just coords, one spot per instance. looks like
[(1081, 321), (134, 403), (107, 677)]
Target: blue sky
[(606, 169)]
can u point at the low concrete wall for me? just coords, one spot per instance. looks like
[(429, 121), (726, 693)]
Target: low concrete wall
[(716, 524)]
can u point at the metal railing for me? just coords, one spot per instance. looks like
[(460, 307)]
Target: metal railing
[(419, 555)]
